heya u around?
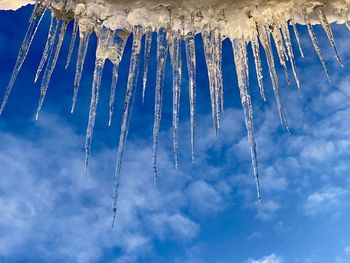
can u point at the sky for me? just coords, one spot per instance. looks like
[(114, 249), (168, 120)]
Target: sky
[(207, 212)]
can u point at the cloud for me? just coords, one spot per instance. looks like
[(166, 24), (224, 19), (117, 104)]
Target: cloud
[(45, 201), (325, 200), (205, 198), (173, 226), (268, 209), (255, 235), (273, 258), (347, 250)]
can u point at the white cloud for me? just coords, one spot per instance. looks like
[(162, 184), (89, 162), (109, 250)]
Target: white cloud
[(255, 235), (268, 209), (273, 258), (173, 226), (46, 202), (205, 198), (325, 200), (347, 250)]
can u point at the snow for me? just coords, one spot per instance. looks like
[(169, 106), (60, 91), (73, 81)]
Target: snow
[(14, 4), (233, 18)]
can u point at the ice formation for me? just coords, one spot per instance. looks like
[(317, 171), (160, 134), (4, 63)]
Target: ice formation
[(261, 23)]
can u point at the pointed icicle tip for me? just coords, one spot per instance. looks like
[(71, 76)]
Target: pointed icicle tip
[(162, 51), (128, 107), (315, 42), (327, 28), (36, 17), (114, 216), (239, 59), (72, 43)]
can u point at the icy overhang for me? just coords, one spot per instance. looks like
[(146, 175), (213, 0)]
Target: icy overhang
[(232, 18)]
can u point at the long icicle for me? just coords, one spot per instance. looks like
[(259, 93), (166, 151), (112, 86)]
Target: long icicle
[(326, 27), (245, 57), (315, 42), (48, 46), (280, 49), (127, 111), (266, 43), (220, 74), (175, 55), (113, 90), (83, 46), (217, 41), (208, 50), (51, 64), (99, 65), (118, 45), (288, 42), (146, 59), (257, 60), (243, 81), (162, 50), (72, 42), (35, 20), (296, 33), (216, 74), (191, 69), (102, 46)]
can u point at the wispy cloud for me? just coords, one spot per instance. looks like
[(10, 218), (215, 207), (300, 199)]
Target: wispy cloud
[(347, 250), (46, 202), (325, 200), (273, 258)]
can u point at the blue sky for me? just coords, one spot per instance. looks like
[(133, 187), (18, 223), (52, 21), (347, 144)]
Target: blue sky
[(207, 212)]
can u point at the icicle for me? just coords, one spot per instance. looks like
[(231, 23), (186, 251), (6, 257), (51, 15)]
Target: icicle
[(103, 35), (117, 49), (280, 49), (245, 58), (191, 69), (315, 42), (220, 73), (296, 35), (147, 52), (127, 111), (72, 43), (256, 53), (324, 22), (112, 96), (162, 50), (209, 53), (286, 36), (217, 41), (35, 20), (99, 64), (283, 44), (238, 48), (217, 76), (34, 14), (83, 46), (52, 35), (175, 55), (265, 41), (51, 64)]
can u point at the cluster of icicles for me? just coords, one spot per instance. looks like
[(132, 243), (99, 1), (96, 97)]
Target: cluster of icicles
[(111, 44)]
